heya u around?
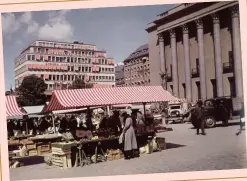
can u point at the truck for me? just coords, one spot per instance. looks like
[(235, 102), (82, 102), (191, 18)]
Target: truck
[(175, 111)]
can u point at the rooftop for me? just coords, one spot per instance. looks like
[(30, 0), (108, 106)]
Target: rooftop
[(139, 52)]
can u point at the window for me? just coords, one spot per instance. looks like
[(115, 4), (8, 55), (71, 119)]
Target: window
[(53, 59), (198, 89), (29, 57), (50, 77), (213, 82), (33, 57), (184, 88)]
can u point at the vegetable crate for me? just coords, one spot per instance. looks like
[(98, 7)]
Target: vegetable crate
[(161, 142), (114, 155)]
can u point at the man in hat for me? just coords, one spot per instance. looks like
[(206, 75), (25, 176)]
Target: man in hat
[(197, 117)]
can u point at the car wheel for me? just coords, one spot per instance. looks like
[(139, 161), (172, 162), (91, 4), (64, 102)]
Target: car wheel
[(210, 122)]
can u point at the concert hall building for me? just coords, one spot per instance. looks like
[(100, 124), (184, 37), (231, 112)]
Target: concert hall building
[(195, 50)]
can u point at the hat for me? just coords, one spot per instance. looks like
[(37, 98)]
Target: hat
[(199, 103), (101, 111)]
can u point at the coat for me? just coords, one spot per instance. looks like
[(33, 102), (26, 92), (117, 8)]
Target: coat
[(130, 142)]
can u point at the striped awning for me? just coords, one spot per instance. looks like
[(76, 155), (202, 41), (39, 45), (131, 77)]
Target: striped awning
[(78, 98), (12, 108)]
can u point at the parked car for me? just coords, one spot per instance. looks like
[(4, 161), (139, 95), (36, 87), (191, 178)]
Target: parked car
[(218, 109)]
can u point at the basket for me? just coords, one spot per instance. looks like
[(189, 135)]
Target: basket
[(161, 143)]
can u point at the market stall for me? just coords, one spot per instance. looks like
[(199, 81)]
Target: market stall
[(86, 98)]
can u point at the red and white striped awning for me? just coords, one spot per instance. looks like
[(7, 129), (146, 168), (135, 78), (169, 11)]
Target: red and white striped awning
[(78, 98), (12, 108)]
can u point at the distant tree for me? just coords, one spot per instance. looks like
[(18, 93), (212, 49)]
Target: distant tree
[(80, 84), (31, 91)]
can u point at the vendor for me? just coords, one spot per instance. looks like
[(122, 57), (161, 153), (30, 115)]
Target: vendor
[(10, 128), (114, 122), (43, 126), (103, 120)]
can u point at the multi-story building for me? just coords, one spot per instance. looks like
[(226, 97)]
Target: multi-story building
[(119, 75), (59, 63), (136, 67), (195, 49)]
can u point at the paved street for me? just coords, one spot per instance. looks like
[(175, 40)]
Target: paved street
[(220, 149)]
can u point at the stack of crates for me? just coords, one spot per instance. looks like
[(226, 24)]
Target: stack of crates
[(61, 157)]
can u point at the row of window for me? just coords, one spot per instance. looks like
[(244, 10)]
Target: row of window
[(64, 45), (136, 76), (69, 59), (61, 51), (136, 61), (73, 77), (136, 68), (138, 83)]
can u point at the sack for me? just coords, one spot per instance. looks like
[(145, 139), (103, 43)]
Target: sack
[(121, 138)]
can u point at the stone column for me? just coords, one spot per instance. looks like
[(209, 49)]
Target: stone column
[(162, 53), (174, 62), (236, 41), (200, 40), (217, 55), (187, 66)]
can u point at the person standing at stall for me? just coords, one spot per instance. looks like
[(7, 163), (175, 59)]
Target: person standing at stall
[(114, 123), (130, 142)]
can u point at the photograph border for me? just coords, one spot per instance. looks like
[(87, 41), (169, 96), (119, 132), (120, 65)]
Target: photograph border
[(24, 6)]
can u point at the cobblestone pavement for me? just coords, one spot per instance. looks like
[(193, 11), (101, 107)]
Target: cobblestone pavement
[(219, 149)]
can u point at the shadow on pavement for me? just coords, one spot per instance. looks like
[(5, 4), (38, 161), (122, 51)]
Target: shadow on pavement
[(31, 160), (173, 145)]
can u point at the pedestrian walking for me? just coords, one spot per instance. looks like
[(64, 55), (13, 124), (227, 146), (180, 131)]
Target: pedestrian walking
[(197, 117), (242, 119)]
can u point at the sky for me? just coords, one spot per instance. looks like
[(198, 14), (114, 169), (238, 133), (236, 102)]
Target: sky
[(118, 30)]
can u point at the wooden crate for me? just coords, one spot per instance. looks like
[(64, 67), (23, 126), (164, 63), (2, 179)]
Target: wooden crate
[(32, 152), (44, 149), (114, 155), (62, 161), (31, 146), (60, 151), (161, 142)]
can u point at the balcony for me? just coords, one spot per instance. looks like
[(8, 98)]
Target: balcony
[(227, 67), (169, 77), (195, 73)]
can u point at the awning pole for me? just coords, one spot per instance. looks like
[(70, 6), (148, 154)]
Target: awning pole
[(144, 109), (53, 123), (108, 110)]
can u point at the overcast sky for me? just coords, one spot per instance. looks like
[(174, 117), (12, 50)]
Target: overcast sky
[(119, 30)]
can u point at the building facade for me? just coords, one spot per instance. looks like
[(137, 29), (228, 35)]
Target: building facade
[(119, 75), (60, 63), (137, 67), (195, 51)]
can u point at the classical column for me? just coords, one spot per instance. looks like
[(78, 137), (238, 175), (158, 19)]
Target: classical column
[(186, 45), (174, 62), (200, 40), (236, 41), (217, 55), (162, 53)]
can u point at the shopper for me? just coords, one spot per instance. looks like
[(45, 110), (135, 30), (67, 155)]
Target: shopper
[(130, 143)]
